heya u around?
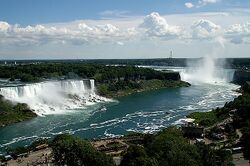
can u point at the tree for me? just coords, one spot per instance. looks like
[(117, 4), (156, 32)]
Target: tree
[(170, 148), (136, 156), (245, 141), (208, 156), (72, 151)]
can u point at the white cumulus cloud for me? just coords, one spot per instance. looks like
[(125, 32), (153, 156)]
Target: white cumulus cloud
[(152, 27), (189, 5), (205, 29), (201, 3), (157, 26), (42, 34), (239, 33), (4, 26)]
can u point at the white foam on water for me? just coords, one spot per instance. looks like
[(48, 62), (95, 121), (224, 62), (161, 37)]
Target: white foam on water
[(18, 139), (54, 97), (111, 135)]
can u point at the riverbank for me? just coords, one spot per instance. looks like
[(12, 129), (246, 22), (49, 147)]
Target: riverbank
[(119, 89), (13, 113), (115, 147), (136, 149), (228, 127), (111, 81)]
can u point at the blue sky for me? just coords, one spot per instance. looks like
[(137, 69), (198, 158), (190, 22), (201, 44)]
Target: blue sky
[(134, 28), (26, 12)]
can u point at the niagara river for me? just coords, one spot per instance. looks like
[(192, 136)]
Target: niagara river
[(88, 115)]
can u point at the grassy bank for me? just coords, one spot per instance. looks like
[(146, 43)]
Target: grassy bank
[(239, 106), (123, 88), (12, 113), (210, 118), (238, 111)]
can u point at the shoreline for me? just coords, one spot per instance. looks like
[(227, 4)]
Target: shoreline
[(105, 141), (26, 114), (12, 113), (150, 87)]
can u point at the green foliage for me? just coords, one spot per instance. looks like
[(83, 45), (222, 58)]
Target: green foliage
[(72, 151), (103, 90), (166, 148), (125, 87), (12, 113), (134, 134), (212, 157), (241, 104), (208, 156), (102, 73), (2, 158), (246, 87), (28, 78), (241, 119), (170, 148), (245, 141), (224, 157), (136, 155), (204, 118), (111, 80), (38, 142), (14, 152)]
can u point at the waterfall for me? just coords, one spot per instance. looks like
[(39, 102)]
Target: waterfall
[(194, 76), (92, 85), (205, 71), (197, 75), (54, 97)]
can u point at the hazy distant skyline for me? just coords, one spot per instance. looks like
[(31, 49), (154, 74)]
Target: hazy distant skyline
[(63, 29)]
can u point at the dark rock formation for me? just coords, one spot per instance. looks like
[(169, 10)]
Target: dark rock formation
[(241, 76)]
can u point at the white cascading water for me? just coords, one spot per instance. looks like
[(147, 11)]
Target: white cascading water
[(206, 70), (54, 97), (92, 85)]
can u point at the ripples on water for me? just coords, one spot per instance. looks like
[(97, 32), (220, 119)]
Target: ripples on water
[(145, 112)]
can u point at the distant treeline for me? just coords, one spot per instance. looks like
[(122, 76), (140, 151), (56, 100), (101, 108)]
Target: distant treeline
[(180, 62), (101, 73)]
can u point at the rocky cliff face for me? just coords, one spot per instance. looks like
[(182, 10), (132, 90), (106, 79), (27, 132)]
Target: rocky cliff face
[(241, 76)]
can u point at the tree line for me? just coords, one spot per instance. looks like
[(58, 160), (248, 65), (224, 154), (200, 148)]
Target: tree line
[(101, 73)]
